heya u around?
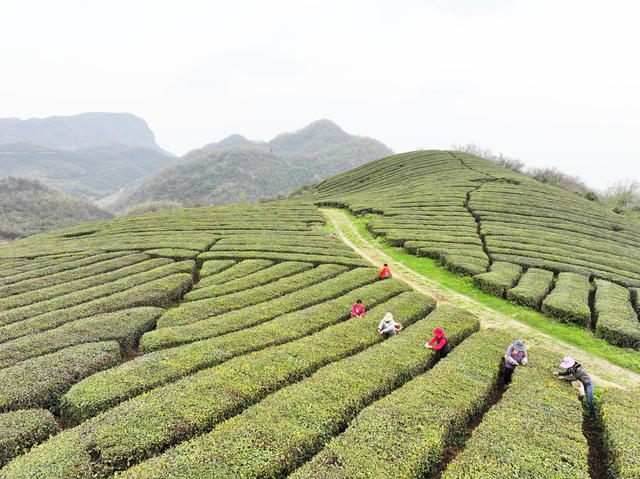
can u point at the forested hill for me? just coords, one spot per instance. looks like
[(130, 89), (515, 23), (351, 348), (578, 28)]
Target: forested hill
[(237, 170), (28, 207), (91, 155)]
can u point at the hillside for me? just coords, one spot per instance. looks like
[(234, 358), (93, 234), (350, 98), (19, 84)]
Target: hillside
[(237, 170), (78, 132), (91, 156), (536, 244), (218, 342), (28, 207)]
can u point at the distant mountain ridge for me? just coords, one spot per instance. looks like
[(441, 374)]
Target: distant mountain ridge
[(236, 169), (91, 155), (78, 132)]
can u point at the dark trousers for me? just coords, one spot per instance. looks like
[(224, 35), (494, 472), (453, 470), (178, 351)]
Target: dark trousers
[(508, 372), (589, 390)]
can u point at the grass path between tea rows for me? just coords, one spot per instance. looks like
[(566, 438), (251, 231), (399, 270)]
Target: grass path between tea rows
[(603, 371)]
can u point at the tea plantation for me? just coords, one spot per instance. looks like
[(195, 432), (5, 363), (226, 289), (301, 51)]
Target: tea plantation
[(532, 243), (218, 342)]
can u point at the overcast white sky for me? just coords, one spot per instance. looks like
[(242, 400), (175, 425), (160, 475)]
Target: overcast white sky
[(554, 83)]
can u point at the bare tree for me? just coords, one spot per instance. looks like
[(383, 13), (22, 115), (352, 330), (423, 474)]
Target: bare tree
[(506, 161), (623, 194)]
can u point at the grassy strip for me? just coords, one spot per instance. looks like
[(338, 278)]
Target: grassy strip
[(131, 264), (501, 277), (207, 308), (259, 278), (215, 275), (174, 253), (210, 268), (144, 373), (41, 381), (534, 431), (569, 301), (617, 321), (242, 318), (60, 273), (572, 334), (272, 438), (620, 422), (144, 426), (405, 434), (138, 274), (310, 258), (161, 293), (126, 327), (532, 288), (19, 430)]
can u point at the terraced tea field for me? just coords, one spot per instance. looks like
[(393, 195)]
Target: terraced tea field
[(218, 342), (534, 244)]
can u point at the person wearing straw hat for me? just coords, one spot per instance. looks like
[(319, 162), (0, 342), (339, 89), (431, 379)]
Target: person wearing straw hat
[(439, 343), (516, 356), (575, 372), (388, 327)]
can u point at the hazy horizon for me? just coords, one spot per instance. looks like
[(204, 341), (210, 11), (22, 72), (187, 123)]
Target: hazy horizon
[(553, 84)]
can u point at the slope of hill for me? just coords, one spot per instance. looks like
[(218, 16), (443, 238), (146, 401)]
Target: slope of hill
[(510, 232), (28, 207), (237, 170), (217, 342), (78, 132)]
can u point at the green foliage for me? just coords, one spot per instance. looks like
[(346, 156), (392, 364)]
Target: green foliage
[(620, 421), (534, 431), (19, 430), (30, 207), (287, 428), (569, 300), (501, 277), (213, 268), (126, 327), (311, 258), (216, 272), (41, 381), (532, 288), (617, 321), (405, 434), (151, 206)]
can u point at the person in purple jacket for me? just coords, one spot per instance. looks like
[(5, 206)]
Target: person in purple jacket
[(516, 356)]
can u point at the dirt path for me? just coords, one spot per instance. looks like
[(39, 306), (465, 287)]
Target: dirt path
[(602, 371)]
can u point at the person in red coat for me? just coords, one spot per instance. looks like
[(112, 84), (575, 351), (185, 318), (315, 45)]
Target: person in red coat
[(357, 310), (385, 273), (439, 343)]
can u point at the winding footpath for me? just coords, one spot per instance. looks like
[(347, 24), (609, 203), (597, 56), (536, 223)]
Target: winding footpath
[(603, 372)]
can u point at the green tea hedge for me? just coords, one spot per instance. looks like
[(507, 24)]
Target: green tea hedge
[(569, 300), (213, 267), (146, 425), (235, 271), (620, 422), (309, 258), (259, 278), (275, 436), (532, 288), (405, 434), (19, 430), (41, 381), (174, 253), (161, 293), (617, 321), (534, 431), (126, 327), (501, 277), (111, 387), (250, 316), (206, 308)]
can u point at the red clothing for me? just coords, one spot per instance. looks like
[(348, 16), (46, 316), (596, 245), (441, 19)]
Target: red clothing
[(385, 271), (357, 310), (440, 342)]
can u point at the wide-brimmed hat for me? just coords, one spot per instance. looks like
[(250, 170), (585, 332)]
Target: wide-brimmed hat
[(567, 362), (388, 317), (519, 345), (438, 332)]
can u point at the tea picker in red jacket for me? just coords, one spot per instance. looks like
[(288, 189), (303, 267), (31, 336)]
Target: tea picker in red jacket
[(439, 343), (385, 273), (357, 310)]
